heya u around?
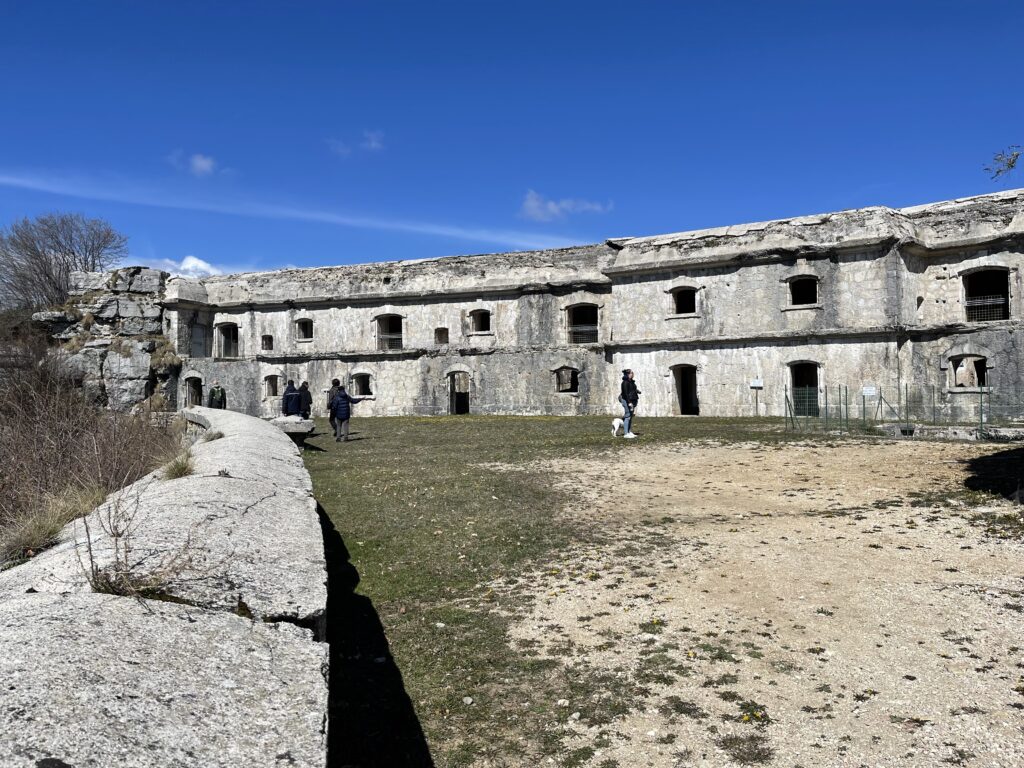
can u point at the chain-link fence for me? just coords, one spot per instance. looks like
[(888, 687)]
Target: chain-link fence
[(905, 408)]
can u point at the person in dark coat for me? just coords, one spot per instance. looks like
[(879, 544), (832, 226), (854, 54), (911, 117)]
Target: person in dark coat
[(629, 397), (341, 412), (291, 404), (335, 386), (305, 400), (218, 397)]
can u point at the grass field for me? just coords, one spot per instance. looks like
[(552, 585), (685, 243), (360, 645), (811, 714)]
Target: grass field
[(456, 530), (426, 524)]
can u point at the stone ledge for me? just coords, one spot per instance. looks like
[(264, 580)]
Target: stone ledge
[(102, 680), (224, 668)]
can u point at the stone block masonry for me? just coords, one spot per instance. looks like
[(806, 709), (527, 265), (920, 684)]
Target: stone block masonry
[(226, 666), (874, 297)]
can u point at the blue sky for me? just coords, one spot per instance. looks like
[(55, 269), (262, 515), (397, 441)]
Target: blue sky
[(255, 135)]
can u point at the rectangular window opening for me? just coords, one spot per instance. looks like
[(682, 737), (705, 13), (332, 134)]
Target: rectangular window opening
[(987, 295), (686, 301), (803, 291)]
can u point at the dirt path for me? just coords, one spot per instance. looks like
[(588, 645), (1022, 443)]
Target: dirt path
[(791, 605)]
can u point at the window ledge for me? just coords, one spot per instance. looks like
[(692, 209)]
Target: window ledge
[(480, 333), (685, 316), (303, 341), (570, 394), (797, 307), (968, 390)]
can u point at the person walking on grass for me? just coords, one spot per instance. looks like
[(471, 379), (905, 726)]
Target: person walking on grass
[(629, 397), (305, 400), (335, 386), (341, 412), (290, 401), (218, 398)]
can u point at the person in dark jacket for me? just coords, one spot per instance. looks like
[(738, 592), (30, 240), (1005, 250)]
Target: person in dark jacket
[(335, 386), (341, 412), (291, 402), (218, 398), (629, 397), (305, 400)]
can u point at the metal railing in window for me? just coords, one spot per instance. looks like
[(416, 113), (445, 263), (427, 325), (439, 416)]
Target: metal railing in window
[(583, 334), (387, 341), (980, 308)]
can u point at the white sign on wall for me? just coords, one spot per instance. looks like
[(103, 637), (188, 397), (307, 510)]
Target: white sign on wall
[(757, 383), (870, 391)]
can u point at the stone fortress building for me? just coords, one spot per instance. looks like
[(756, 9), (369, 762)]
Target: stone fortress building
[(720, 322)]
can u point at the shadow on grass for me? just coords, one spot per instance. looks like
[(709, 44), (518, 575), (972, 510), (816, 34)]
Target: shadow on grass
[(371, 721), (999, 473)]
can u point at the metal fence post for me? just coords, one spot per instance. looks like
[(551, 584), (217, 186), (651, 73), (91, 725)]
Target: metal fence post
[(826, 407), (906, 404), (981, 411)]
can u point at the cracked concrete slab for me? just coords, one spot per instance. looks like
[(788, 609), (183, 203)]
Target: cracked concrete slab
[(99, 680)]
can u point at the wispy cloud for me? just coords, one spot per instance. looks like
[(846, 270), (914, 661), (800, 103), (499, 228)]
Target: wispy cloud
[(373, 141), (190, 266), (198, 164), (536, 207), (339, 147), (120, 191), (201, 165)]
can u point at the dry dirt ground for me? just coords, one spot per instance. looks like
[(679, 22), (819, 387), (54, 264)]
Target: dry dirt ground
[(788, 605)]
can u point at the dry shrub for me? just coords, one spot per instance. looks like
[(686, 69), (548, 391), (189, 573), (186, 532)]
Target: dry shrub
[(59, 451), (180, 466)]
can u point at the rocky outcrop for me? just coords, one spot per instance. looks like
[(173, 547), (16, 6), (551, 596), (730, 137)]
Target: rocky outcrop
[(111, 335), (218, 660)]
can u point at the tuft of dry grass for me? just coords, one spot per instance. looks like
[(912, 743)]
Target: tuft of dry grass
[(214, 435), (181, 465)]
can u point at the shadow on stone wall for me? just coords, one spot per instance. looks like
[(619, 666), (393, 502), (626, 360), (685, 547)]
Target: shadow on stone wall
[(1000, 473), (371, 721)]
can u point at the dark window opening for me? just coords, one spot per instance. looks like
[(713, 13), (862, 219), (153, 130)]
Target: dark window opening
[(267, 343), (197, 344), (270, 386), (193, 391), (361, 385), (685, 301), (805, 389), (583, 324), (440, 335), (304, 330), (389, 332), (567, 380), (686, 390), (803, 290), (969, 371), (987, 295), (481, 320), (458, 393), (229, 340)]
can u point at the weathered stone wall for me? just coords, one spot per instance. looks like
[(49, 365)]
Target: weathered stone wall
[(890, 286), (226, 667), (111, 334)]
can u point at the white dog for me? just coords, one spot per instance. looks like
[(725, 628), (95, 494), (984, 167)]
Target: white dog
[(616, 426)]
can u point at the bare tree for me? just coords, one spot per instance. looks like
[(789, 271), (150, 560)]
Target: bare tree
[(1004, 162), (37, 257)]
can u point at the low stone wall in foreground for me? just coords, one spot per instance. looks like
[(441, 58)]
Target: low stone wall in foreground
[(223, 665)]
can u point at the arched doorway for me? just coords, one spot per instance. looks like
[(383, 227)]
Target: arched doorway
[(805, 388), (458, 393), (685, 377), (193, 391)]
